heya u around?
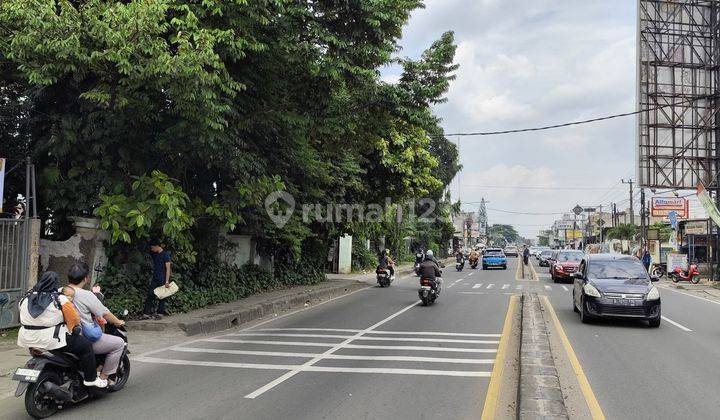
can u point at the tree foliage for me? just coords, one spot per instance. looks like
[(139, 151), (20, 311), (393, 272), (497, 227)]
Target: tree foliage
[(500, 234), (623, 231), (162, 115)]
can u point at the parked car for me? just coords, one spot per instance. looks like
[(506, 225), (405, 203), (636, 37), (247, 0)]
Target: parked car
[(544, 257), (565, 263), (615, 286), (511, 251), (494, 257)]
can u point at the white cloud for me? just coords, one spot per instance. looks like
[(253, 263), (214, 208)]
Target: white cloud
[(526, 64)]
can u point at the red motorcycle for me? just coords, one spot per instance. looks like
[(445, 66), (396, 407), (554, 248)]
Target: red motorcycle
[(692, 275)]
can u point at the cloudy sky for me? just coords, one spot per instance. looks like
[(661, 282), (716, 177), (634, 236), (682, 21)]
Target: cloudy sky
[(529, 63)]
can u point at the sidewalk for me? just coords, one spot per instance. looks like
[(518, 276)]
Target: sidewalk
[(704, 289)]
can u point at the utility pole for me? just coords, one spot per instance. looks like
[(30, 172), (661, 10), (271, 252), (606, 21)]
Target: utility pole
[(632, 212), (614, 214), (643, 225)]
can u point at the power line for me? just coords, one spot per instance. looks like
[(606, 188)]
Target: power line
[(572, 123), (526, 213), (533, 187)]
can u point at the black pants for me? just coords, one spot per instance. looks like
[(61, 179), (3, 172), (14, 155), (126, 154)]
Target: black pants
[(82, 348), (151, 301)]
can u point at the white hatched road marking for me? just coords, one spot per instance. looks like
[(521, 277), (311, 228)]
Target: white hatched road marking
[(490, 286), (455, 282), (519, 287), (369, 338), (505, 286), (386, 332), (336, 347), (682, 327), (565, 288), (277, 343), (420, 348), (471, 273), (338, 356), (477, 286), (311, 368), (547, 287)]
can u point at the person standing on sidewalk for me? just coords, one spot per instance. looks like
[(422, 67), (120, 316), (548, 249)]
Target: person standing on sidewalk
[(526, 255), (162, 265), (646, 260)]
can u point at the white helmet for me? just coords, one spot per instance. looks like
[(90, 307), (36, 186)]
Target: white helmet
[(429, 253)]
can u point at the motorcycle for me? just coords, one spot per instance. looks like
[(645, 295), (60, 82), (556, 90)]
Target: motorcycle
[(473, 262), (658, 270), (692, 275), (383, 277), (460, 264), (429, 290), (51, 379)]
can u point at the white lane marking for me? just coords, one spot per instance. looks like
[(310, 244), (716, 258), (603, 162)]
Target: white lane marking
[(505, 286), (275, 343), (259, 324), (339, 356), (472, 293), (338, 346), (455, 282), (310, 368), (548, 287), (363, 338), (420, 348), (427, 340), (271, 334), (490, 286), (308, 329), (436, 333), (688, 294), (477, 286), (565, 288), (519, 287), (682, 327), (471, 273)]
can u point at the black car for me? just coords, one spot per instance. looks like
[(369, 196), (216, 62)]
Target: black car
[(615, 286), (544, 256)]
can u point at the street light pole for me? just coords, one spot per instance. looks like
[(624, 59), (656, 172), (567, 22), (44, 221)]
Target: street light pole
[(632, 212)]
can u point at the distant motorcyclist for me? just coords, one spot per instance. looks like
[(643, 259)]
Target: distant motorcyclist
[(473, 255), (429, 255), (459, 256), (386, 263), (429, 269)]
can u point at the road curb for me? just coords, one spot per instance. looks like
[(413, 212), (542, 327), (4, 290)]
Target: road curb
[(539, 393), (232, 318)]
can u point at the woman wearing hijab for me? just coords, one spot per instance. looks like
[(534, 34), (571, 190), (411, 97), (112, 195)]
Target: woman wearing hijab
[(43, 327)]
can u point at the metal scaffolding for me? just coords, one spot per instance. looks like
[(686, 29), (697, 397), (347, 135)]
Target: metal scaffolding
[(678, 81)]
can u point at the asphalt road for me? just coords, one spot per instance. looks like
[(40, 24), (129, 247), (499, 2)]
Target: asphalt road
[(375, 354), (647, 373)]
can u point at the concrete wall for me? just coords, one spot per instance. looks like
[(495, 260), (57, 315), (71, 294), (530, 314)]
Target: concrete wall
[(345, 255), (239, 250), (85, 246)]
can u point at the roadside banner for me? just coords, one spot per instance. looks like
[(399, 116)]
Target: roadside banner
[(707, 203), (2, 181), (676, 260)]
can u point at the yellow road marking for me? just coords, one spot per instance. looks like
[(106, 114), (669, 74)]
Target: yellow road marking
[(592, 402), (517, 272), (534, 273), (491, 399)]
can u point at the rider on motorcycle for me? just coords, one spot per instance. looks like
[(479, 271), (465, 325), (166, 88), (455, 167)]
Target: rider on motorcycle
[(386, 263), (473, 256), (430, 269)]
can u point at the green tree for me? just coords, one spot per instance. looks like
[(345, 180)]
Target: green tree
[(500, 233), (623, 231)]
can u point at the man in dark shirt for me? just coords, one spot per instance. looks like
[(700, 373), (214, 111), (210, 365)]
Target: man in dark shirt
[(162, 264), (429, 269)]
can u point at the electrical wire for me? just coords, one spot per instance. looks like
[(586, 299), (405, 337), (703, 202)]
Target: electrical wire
[(568, 124)]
